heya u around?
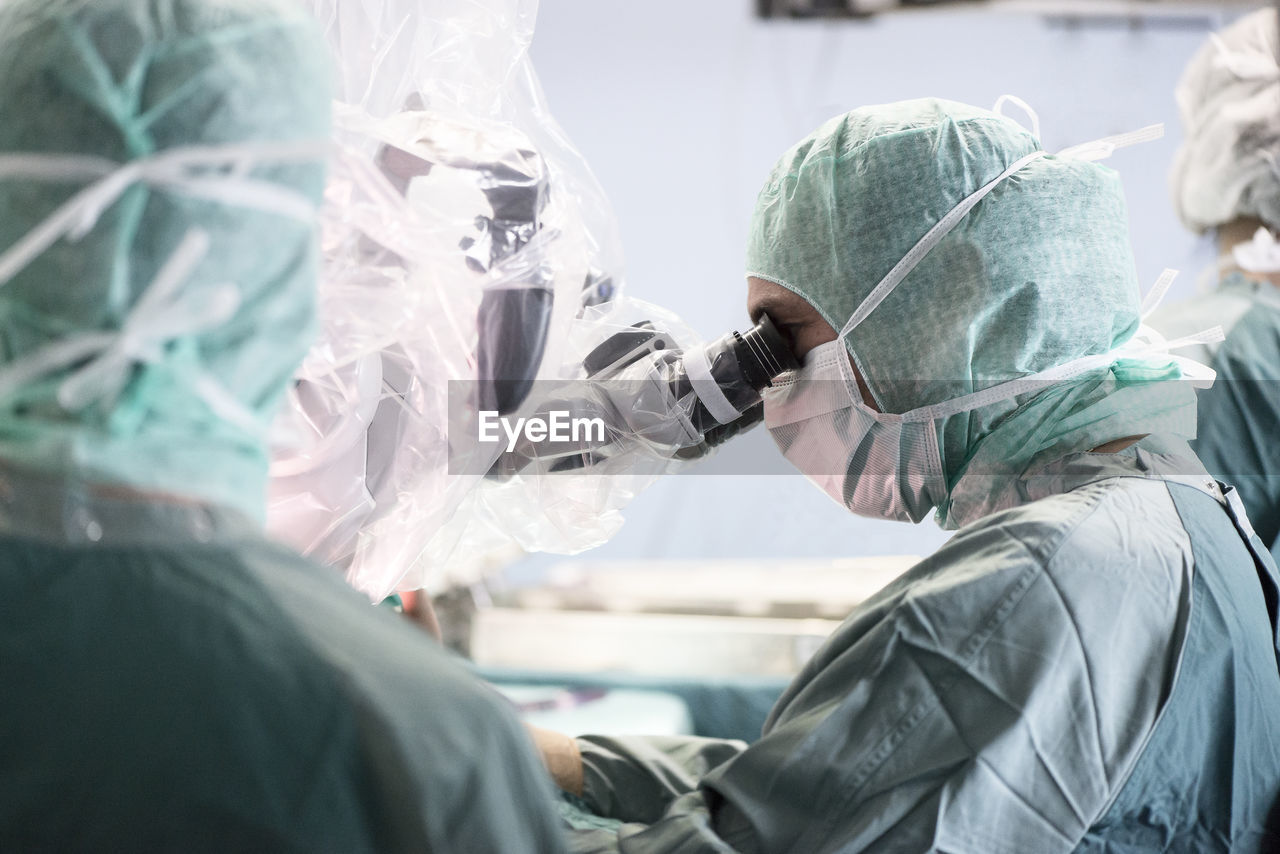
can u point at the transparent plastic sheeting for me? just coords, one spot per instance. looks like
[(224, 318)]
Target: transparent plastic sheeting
[(467, 250)]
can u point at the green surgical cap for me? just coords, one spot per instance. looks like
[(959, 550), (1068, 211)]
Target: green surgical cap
[(1039, 273), (126, 80)]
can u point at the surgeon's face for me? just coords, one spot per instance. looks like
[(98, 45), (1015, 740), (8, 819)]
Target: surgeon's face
[(798, 322)]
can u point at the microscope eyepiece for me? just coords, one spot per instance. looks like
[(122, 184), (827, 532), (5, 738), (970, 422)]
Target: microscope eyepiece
[(763, 353)]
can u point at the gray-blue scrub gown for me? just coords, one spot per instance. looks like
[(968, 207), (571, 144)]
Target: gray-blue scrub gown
[(1092, 668), (1238, 436)]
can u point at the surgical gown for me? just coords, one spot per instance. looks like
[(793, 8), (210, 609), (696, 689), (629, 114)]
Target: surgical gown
[(999, 696), (1238, 437), (175, 682)]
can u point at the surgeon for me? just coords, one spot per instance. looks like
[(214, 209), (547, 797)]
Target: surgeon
[(173, 681), (1090, 662), (1226, 182)]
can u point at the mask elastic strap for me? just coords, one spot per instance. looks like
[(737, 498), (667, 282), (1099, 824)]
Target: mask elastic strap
[(1259, 255), (1145, 342), (1095, 150), (931, 239)]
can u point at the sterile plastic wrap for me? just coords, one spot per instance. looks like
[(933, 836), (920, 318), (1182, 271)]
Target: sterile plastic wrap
[(471, 269), (629, 370)]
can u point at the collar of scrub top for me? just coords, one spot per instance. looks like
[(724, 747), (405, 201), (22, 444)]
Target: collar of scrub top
[(67, 510), (164, 312), (1158, 456)]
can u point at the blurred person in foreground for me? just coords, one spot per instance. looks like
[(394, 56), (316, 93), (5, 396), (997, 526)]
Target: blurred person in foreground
[(173, 680)]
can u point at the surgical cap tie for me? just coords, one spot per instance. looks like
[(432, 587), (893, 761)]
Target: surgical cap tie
[(1100, 149), (182, 170), (1097, 149), (998, 108), (163, 313)]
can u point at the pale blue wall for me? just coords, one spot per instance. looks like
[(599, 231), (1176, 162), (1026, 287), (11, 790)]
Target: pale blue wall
[(681, 107)]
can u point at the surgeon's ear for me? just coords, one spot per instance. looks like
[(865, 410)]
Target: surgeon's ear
[(863, 388)]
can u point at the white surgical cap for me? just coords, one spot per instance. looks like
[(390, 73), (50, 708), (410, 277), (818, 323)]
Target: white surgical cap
[(1229, 99)]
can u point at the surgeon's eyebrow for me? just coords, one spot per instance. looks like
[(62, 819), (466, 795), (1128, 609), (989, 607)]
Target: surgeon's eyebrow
[(780, 308)]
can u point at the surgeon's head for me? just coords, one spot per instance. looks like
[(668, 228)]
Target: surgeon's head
[(1229, 101), (1037, 274), (161, 162)]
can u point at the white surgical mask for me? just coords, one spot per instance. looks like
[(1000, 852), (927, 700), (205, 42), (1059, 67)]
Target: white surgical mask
[(873, 463), (889, 466), (1259, 255)]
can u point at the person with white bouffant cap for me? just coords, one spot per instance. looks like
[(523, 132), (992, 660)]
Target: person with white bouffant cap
[(1226, 182)]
